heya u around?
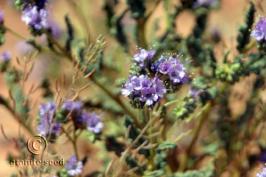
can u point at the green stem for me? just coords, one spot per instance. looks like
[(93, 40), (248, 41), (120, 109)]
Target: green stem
[(141, 38), (15, 33), (16, 116)]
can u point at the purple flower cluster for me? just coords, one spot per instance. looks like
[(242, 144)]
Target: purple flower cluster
[(73, 166), (262, 173), (143, 57), (35, 18), (144, 90), (91, 121), (171, 67), (47, 124), (148, 85), (259, 32)]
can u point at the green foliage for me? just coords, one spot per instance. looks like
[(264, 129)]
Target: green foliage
[(166, 146), (137, 8), (243, 37), (185, 108)]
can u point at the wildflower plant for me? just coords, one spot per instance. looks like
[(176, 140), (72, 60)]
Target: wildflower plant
[(166, 114)]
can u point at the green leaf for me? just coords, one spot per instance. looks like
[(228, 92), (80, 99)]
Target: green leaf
[(166, 145), (156, 173)]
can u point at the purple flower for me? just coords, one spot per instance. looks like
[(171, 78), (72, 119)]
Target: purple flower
[(259, 32), (1, 17), (143, 89), (72, 106), (262, 156), (262, 173), (91, 121), (173, 68), (54, 29), (94, 123), (38, 3), (143, 57), (207, 3), (47, 125), (194, 92), (35, 18), (5, 56), (73, 166)]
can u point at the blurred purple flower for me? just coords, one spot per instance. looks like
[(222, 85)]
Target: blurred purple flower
[(73, 166), (55, 29), (194, 92), (262, 173), (72, 106), (35, 18), (216, 34), (1, 17), (91, 121), (173, 68), (5, 56), (143, 89), (94, 123), (262, 156), (143, 57), (259, 32), (47, 126)]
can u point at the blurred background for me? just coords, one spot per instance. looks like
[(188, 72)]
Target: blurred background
[(226, 20)]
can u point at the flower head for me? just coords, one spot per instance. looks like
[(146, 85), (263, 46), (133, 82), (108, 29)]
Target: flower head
[(5, 56), (173, 68), (35, 18), (143, 57), (259, 32), (262, 173), (47, 125), (73, 166), (144, 90)]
